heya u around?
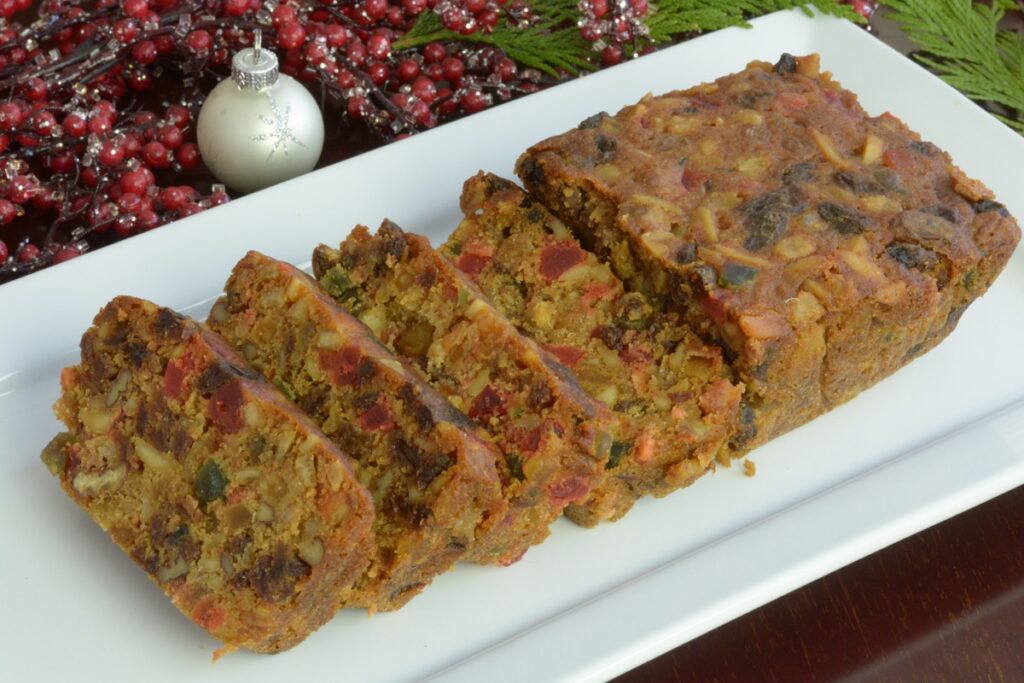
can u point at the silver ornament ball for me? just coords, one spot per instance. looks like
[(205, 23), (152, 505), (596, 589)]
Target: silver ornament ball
[(259, 127)]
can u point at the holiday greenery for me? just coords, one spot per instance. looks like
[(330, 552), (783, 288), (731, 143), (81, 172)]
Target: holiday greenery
[(962, 43), (98, 100)]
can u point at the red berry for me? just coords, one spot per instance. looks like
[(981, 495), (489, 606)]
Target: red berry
[(282, 15), (165, 44), (475, 6), (5, 142), (135, 182), (8, 212), (487, 19), (4, 253), (124, 225), (62, 163), (34, 88), (375, 9), (143, 117), (111, 154), (89, 177), (472, 101), (170, 137), (611, 55), (129, 202), (434, 52), (639, 7), (100, 125), (424, 89), (43, 122), (346, 79), (66, 254), (10, 116), (173, 198), (189, 209), (132, 145), (408, 69), (433, 72), (291, 35), (236, 8), (378, 73), (452, 68), (147, 220), (178, 116), (599, 8), (156, 155), (336, 35), (188, 155), (125, 30), (378, 46), (29, 252), (414, 7), (21, 189), (314, 53), (590, 32), (356, 51), (199, 42), (218, 197), (136, 8), (356, 107), (145, 52), (505, 69)]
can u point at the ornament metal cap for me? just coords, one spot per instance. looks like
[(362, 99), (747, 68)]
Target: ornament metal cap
[(254, 68)]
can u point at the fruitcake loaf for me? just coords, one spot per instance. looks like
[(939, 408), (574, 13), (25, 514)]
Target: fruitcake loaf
[(553, 437), (433, 480), (671, 391), (234, 503), (820, 247)]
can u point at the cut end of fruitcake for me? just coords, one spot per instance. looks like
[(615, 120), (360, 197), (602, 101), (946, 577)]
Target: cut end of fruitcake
[(234, 503)]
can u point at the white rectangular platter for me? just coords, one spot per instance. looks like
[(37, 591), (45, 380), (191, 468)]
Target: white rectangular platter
[(943, 434)]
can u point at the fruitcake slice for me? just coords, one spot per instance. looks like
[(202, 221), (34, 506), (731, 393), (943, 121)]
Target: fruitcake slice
[(433, 480), (821, 247), (237, 506), (672, 392), (554, 438)]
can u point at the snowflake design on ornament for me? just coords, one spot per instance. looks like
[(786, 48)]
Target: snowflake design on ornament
[(280, 129)]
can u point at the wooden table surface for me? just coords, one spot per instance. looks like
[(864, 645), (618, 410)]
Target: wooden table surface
[(946, 604)]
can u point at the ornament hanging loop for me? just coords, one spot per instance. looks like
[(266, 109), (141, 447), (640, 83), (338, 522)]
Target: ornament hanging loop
[(254, 68)]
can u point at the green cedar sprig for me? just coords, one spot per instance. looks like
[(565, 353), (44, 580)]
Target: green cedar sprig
[(554, 46), (961, 42)]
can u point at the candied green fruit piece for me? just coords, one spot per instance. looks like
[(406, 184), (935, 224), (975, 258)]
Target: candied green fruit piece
[(211, 482)]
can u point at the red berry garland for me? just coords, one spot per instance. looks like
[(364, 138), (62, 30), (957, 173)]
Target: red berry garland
[(98, 99)]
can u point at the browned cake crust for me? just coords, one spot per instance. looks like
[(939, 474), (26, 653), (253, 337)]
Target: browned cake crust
[(671, 391), (227, 495), (433, 480), (822, 248), (554, 438)]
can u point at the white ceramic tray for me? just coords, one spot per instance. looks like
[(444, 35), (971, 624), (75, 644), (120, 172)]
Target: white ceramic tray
[(943, 434)]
